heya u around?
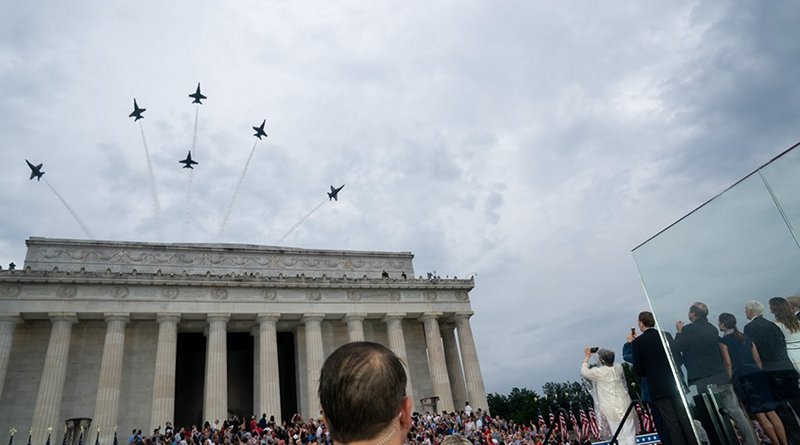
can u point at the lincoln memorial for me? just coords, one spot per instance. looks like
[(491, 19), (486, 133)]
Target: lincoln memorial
[(133, 334)]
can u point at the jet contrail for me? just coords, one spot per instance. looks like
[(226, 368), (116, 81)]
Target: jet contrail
[(188, 211), (194, 134), (187, 223), (153, 190), (302, 220), (235, 192), (71, 212)]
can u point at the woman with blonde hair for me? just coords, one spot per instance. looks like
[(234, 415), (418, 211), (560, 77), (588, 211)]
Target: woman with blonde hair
[(790, 326)]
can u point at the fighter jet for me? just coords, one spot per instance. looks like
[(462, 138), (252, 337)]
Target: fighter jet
[(188, 162), (36, 171), (260, 130), (197, 96), (137, 112), (334, 193)]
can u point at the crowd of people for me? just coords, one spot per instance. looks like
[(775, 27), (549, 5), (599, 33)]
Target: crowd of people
[(477, 427), (753, 373)]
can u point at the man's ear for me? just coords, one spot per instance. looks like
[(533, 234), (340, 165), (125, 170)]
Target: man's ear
[(405, 414)]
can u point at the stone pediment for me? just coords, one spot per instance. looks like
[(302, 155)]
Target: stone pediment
[(45, 254)]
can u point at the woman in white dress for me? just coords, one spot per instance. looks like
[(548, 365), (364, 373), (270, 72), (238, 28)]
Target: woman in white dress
[(790, 326), (610, 393)]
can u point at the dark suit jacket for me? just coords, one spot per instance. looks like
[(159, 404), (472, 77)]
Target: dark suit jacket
[(770, 342), (698, 347), (650, 361)]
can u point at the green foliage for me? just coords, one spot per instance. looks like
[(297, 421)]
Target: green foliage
[(522, 404)]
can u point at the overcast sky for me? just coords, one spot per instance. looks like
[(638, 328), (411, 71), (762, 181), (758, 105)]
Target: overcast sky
[(534, 143)]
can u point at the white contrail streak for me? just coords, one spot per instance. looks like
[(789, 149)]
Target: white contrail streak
[(235, 192), (153, 190), (187, 224), (71, 212), (302, 220)]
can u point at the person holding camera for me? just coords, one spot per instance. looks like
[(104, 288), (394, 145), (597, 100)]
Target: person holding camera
[(610, 392)]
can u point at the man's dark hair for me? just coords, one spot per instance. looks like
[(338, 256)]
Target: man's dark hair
[(647, 319), (361, 388)]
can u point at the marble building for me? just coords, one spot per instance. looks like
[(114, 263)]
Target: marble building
[(134, 334)]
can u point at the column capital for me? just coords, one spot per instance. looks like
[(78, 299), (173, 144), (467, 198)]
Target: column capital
[(10, 318), (463, 315), (313, 317), (224, 317), (393, 316), (446, 324), (354, 316), (117, 316), (168, 317), (71, 317), (430, 316), (268, 317)]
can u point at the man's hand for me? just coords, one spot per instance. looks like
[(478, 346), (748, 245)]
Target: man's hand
[(630, 338), (679, 326)]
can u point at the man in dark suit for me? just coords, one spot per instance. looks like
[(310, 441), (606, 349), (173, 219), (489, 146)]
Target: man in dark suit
[(778, 369), (696, 346), (650, 361)]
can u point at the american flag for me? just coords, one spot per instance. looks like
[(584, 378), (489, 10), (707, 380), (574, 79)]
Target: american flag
[(593, 423), (574, 421), (562, 422), (760, 433), (647, 419), (584, 425), (542, 424), (553, 425)]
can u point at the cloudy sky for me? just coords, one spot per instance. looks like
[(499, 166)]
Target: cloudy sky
[(532, 143)]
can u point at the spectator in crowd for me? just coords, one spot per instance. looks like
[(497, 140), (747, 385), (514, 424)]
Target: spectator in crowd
[(794, 301), (610, 393), (778, 369), (743, 366), (790, 327), (362, 393), (697, 347), (650, 361)]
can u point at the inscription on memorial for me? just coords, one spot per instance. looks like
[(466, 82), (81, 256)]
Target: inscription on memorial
[(10, 290), (67, 291), (170, 293)]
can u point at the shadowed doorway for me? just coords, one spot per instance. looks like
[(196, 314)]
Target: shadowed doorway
[(240, 375), (190, 369), (287, 375)]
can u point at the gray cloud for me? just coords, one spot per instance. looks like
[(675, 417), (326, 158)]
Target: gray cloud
[(534, 145)]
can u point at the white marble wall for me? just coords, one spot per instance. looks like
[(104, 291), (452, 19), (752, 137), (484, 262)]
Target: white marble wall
[(138, 372), (22, 378), (83, 370), (416, 348)]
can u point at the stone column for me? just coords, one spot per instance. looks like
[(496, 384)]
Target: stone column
[(454, 371), (216, 390), (436, 362), (314, 360), (269, 380), (355, 326), (472, 369), (397, 343), (108, 386), (47, 410), (8, 324), (164, 379)]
